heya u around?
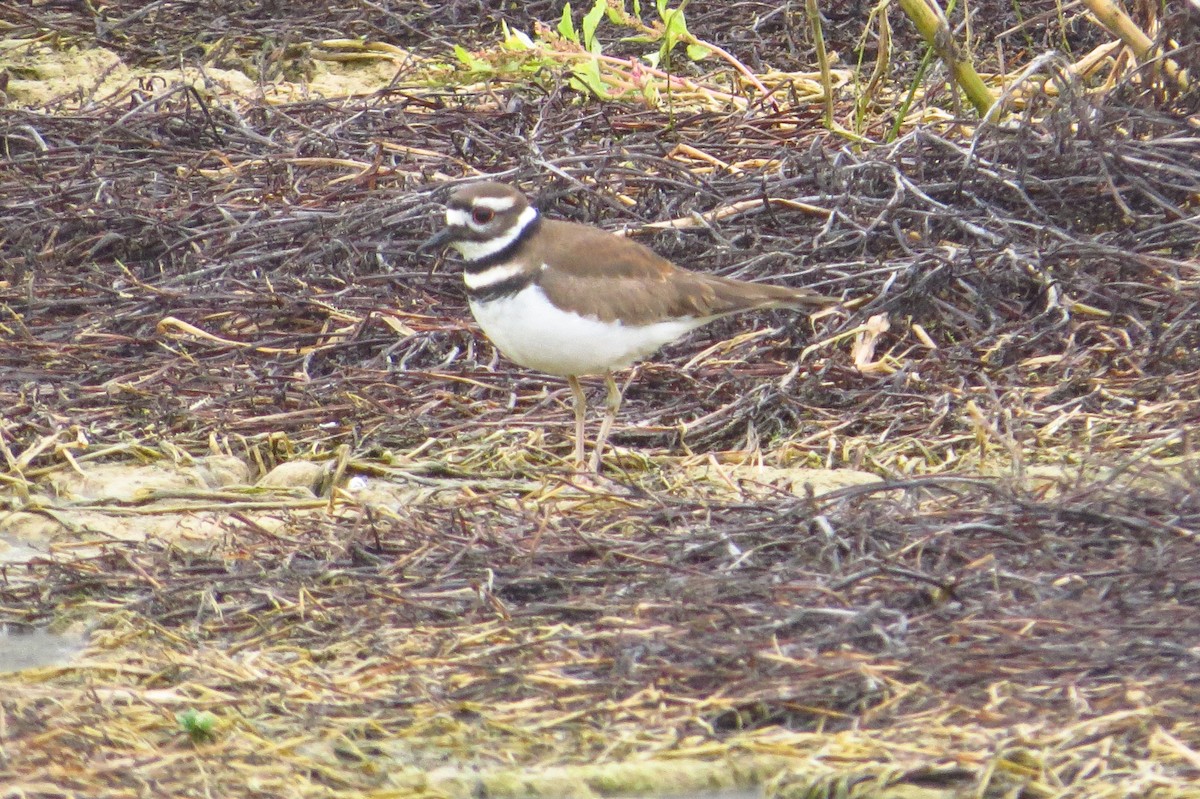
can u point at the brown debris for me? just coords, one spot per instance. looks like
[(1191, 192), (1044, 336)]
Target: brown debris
[(1011, 611)]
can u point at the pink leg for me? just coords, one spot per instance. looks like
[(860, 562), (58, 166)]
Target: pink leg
[(611, 405), (580, 414)]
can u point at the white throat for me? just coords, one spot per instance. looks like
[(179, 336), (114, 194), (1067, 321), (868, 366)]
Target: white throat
[(478, 250)]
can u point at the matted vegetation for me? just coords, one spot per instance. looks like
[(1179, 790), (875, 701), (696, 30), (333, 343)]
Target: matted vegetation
[(207, 256)]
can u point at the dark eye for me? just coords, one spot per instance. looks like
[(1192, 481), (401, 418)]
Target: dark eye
[(482, 215)]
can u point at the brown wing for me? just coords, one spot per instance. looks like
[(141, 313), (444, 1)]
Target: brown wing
[(601, 275)]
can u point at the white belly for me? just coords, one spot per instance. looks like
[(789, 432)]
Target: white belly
[(527, 329)]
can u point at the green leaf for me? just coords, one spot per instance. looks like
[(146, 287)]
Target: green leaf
[(674, 29), (591, 22), (661, 5), (469, 61), (566, 28), (587, 79), (514, 39), (698, 52), (637, 8), (198, 724), (676, 23)]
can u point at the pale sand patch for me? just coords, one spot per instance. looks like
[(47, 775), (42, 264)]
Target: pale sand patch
[(80, 77)]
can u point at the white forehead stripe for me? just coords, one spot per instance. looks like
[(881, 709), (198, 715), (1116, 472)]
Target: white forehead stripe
[(456, 217), (477, 250), (497, 204), (490, 277)]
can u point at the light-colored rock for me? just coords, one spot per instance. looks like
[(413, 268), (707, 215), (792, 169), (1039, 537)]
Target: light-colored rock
[(307, 475), (123, 482), (221, 471)]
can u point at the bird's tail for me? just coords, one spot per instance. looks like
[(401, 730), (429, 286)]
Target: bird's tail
[(739, 295)]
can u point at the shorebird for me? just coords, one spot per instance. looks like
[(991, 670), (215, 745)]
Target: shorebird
[(573, 300)]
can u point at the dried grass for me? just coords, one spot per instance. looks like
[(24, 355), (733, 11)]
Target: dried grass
[(182, 273)]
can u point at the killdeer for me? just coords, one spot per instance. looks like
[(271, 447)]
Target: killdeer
[(571, 300)]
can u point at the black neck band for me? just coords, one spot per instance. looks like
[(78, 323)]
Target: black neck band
[(505, 288), (504, 254)]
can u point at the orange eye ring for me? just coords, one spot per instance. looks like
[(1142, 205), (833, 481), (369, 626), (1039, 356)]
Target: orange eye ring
[(482, 215)]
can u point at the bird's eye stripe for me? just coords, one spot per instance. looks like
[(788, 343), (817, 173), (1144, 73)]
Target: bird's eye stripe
[(495, 203)]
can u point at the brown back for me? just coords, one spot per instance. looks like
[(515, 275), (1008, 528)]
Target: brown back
[(601, 275)]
